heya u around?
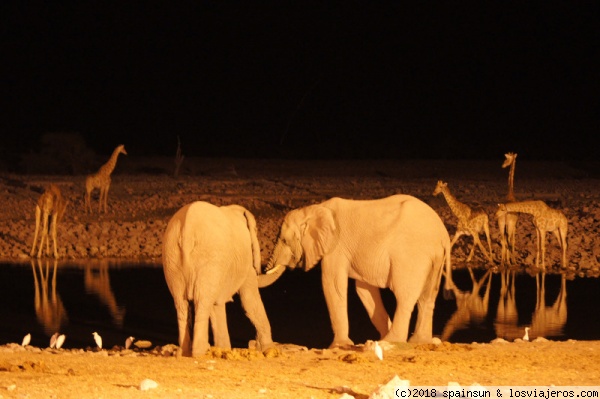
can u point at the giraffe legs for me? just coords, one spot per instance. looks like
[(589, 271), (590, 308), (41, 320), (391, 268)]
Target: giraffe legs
[(486, 229), (511, 227), (38, 216), (561, 236), (103, 200), (53, 231), (477, 241), (44, 236)]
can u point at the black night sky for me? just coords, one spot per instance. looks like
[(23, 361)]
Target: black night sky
[(304, 79)]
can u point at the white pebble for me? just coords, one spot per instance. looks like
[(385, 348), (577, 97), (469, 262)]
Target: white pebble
[(148, 384)]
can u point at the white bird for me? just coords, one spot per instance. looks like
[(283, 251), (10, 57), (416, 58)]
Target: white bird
[(53, 339), (98, 339), (128, 342), (26, 340), (526, 336), (378, 350), (60, 341)]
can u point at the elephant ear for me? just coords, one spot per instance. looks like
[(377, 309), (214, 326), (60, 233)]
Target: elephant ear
[(251, 222), (319, 235)]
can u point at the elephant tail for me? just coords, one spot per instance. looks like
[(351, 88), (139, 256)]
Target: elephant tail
[(449, 285)]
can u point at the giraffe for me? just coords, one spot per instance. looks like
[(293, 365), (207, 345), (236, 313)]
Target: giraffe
[(507, 221), (545, 219), (48, 212), (470, 222), (101, 180), (510, 159)]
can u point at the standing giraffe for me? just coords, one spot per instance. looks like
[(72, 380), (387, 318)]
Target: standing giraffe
[(48, 212), (510, 159), (470, 222), (507, 222), (101, 180), (545, 219)]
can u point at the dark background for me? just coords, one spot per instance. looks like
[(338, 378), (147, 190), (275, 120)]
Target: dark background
[(303, 79)]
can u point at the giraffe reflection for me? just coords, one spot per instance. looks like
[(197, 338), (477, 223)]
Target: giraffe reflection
[(549, 321), (507, 315), (471, 307), (97, 281), (49, 308)]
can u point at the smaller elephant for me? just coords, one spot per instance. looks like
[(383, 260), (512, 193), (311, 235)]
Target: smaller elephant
[(209, 254)]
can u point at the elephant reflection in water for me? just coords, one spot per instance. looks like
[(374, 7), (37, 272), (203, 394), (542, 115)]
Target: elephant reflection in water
[(49, 308), (97, 282), (549, 321), (507, 315), (471, 307)]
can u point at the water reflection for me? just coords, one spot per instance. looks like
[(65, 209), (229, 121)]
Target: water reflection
[(49, 308), (507, 315), (119, 300), (472, 308), (97, 281), (549, 321)]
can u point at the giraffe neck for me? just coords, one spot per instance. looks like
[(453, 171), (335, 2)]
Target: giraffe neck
[(458, 208), (511, 178), (109, 166)]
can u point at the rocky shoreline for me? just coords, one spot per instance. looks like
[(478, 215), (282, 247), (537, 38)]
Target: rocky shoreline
[(141, 204)]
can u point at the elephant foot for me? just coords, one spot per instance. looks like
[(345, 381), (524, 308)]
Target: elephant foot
[(420, 339), (342, 344), (261, 346)]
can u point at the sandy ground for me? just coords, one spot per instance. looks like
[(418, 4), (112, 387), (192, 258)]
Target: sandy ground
[(144, 195)]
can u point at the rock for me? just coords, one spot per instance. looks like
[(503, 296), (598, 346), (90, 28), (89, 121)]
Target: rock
[(148, 384)]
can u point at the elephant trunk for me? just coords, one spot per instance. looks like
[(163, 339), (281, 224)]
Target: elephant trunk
[(271, 275)]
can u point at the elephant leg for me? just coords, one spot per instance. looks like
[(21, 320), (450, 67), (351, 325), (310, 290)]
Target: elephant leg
[(371, 299), (417, 281), (425, 305), (184, 319), (255, 310), (218, 323), (202, 311), (335, 288)]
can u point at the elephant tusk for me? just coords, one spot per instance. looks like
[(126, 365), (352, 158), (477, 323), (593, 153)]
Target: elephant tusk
[(274, 270)]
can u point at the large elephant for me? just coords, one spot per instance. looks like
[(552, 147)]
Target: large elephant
[(209, 254), (398, 242)]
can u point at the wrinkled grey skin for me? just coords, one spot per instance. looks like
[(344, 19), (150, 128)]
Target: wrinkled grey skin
[(398, 242), (209, 254)]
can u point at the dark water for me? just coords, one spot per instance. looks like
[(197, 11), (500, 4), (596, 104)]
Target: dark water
[(119, 300)]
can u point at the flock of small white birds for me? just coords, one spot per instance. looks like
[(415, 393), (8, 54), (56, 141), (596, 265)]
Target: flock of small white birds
[(57, 340)]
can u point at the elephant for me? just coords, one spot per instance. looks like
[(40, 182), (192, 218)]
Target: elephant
[(398, 242), (210, 253)]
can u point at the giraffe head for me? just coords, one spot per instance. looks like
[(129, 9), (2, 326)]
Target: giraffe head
[(501, 210), (439, 187), (510, 158), (121, 149)]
